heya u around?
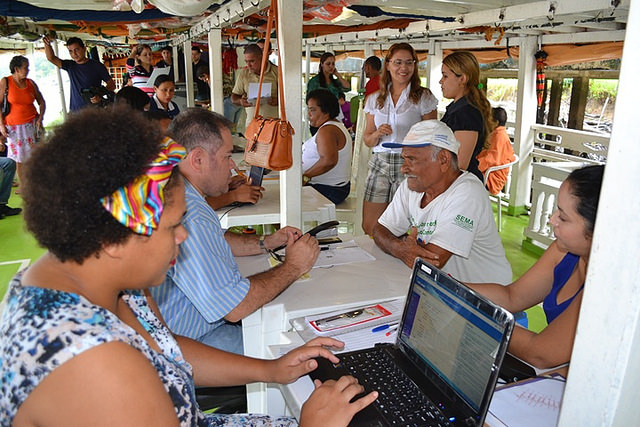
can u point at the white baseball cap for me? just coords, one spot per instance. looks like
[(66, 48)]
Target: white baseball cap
[(428, 132)]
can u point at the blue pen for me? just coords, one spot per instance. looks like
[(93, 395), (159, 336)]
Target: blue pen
[(381, 328)]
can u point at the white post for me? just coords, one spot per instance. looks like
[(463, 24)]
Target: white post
[(434, 68), (526, 106), (215, 70), (602, 388), (307, 70), (63, 103), (188, 73), (290, 44), (176, 63), (368, 51)]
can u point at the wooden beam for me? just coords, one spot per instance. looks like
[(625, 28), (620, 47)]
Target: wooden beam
[(554, 102), (579, 94)]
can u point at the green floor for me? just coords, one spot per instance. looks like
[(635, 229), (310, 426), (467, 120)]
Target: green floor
[(17, 247)]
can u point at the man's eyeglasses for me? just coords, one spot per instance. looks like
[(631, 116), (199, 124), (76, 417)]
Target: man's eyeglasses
[(400, 62)]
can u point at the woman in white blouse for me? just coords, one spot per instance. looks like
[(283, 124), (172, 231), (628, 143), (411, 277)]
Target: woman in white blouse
[(400, 103)]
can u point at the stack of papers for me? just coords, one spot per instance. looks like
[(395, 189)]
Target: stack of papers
[(342, 253), (534, 402)]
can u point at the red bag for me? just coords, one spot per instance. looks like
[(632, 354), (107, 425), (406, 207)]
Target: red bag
[(269, 140)]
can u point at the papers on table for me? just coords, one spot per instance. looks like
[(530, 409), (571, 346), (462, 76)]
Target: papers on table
[(358, 331), (535, 403), (342, 253), (155, 73), (252, 94)]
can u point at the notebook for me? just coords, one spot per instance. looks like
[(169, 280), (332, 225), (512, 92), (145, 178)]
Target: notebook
[(451, 342)]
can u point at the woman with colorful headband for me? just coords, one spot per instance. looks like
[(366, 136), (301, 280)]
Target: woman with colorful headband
[(81, 342)]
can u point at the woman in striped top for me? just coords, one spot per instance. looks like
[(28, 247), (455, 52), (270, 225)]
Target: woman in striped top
[(139, 67)]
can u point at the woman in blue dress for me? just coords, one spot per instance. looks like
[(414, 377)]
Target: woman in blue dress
[(81, 340), (557, 279)]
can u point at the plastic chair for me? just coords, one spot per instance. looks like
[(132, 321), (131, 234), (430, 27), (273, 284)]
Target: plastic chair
[(505, 191)]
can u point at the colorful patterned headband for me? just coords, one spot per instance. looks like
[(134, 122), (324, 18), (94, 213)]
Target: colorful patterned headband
[(138, 205)]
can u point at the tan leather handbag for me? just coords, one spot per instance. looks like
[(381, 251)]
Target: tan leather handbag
[(270, 140)]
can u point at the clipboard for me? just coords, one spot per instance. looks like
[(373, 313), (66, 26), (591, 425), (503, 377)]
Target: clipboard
[(155, 73)]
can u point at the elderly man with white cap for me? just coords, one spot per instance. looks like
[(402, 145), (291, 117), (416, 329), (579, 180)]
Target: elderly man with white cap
[(445, 211)]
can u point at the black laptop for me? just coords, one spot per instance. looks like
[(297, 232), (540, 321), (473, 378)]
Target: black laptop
[(444, 366)]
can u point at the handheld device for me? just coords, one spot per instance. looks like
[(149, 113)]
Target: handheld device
[(255, 174), (314, 231)]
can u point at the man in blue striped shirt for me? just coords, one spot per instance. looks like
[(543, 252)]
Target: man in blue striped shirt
[(204, 296)]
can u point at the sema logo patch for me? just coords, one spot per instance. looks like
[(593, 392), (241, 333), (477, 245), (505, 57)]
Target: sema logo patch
[(463, 222)]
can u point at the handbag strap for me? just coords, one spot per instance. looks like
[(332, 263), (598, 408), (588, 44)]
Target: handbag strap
[(272, 16)]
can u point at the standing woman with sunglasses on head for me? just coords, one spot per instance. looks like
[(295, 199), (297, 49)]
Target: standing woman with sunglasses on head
[(399, 104), (24, 122), (139, 66), (469, 115)]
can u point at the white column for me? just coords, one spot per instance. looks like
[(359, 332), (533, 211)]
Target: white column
[(188, 73), (176, 63), (63, 103), (307, 69), (525, 117), (215, 70), (602, 388), (290, 44), (368, 50), (434, 68)]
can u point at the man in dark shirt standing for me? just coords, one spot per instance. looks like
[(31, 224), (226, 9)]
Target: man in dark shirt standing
[(167, 60), (203, 88), (84, 73)]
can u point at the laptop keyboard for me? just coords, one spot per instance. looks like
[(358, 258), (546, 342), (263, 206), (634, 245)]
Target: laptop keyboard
[(399, 400)]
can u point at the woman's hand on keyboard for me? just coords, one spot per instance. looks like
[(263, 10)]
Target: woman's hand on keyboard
[(299, 361), (329, 404)]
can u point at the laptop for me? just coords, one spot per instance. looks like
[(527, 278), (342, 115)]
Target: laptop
[(451, 342)]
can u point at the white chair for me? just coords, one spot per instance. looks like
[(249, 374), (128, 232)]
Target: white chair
[(350, 210), (504, 193)]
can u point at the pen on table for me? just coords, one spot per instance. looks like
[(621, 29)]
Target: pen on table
[(384, 327), (391, 330)]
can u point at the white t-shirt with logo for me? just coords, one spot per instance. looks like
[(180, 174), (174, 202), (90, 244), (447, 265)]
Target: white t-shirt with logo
[(460, 220)]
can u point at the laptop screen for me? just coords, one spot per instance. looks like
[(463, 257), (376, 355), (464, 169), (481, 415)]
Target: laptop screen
[(449, 330)]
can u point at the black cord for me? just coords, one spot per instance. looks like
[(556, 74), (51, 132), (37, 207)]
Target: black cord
[(227, 211)]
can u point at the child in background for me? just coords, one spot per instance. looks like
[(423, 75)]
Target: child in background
[(164, 88), (345, 106), (497, 153)]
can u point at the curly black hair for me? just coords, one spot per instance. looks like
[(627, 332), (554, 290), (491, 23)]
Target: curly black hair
[(327, 102), (93, 153)]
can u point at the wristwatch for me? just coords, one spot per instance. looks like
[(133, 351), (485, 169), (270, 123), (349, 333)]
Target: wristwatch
[(305, 179)]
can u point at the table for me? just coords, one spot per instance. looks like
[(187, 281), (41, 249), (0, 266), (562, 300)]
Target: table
[(315, 207), (336, 288)]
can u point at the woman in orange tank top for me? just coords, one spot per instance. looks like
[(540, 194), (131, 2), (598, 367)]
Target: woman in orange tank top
[(24, 121)]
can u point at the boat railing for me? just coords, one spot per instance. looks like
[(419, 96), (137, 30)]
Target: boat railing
[(557, 152)]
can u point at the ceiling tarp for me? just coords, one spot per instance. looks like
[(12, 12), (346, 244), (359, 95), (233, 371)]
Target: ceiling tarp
[(21, 9)]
